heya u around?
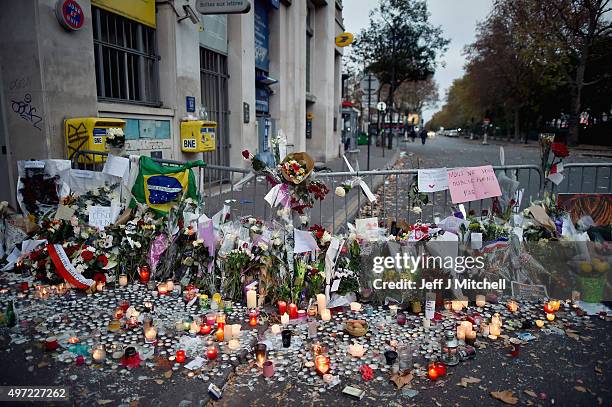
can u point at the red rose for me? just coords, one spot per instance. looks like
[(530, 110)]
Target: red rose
[(87, 255), (246, 154), (559, 150), (102, 260)]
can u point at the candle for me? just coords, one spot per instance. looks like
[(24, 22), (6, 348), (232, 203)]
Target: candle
[(180, 356), (268, 368), (448, 305), (194, 328), (467, 326), (426, 323), (186, 325), (470, 337), (220, 320), (293, 311), (100, 286), (220, 335), (325, 315), (260, 353), (233, 344), (432, 372), (464, 302), (301, 314), (555, 304), (170, 285), (148, 306), (212, 352), (480, 301), (321, 302), (484, 328), (80, 360), (356, 350), (282, 307), (236, 330), (461, 332), (285, 319), (548, 307), (162, 289), (322, 364), (123, 280), (205, 329), (494, 330), (253, 318), (401, 319), (150, 334), (144, 274), (393, 310), (276, 329), (210, 319), (118, 313), (51, 343), (355, 306), (550, 316), (457, 305), (496, 320), (251, 299), (99, 353), (512, 306), (73, 340)]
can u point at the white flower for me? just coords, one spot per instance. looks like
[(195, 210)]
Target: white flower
[(262, 246), (197, 243), (326, 237), (74, 221), (304, 219), (277, 241), (283, 212), (137, 244), (80, 268), (340, 191), (417, 210)]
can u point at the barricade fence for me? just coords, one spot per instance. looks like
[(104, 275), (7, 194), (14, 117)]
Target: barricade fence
[(217, 186)]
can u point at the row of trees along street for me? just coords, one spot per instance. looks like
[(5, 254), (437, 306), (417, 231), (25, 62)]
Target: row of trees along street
[(402, 48), (537, 66)]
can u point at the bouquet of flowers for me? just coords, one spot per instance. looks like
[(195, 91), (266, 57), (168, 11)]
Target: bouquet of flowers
[(115, 138), (551, 166)]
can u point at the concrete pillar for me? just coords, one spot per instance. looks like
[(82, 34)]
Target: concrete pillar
[(241, 66)]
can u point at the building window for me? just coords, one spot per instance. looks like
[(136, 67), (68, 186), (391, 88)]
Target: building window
[(126, 60), (309, 35)]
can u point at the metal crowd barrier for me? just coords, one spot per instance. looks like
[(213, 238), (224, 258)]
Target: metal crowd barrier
[(217, 185)]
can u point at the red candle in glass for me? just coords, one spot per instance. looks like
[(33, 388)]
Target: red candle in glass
[(210, 320), (180, 356), (253, 318), (282, 307), (80, 360), (144, 274), (220, 334), (548, 309), (432, 372), (24, 287), (51, 343), (124, 305), (205, 329), (293, 311), (441, 367), (212, 352)]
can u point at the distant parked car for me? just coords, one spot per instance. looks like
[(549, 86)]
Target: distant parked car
[(431, 134), (452, 133)]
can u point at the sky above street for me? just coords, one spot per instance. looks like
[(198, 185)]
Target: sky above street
[(458, 19)]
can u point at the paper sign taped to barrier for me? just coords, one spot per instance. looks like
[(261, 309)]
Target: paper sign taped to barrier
[(528, 291), (473, 183), (433, 180), (367, 228)]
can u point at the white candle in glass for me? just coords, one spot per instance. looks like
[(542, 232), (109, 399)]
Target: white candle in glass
[(461, 332), (457, 305), (321, 302), (276, 329), (285, 319), (233, 344), (325, 315), (236, 331), (251, 299), (480, 301), (355, 306), (150, 334), (170, 285), (123, 280)]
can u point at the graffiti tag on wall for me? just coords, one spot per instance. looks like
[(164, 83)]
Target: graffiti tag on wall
[(26, 111)]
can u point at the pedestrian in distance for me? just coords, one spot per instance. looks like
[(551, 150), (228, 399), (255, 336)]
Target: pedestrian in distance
[(413, 135), (423, 136)]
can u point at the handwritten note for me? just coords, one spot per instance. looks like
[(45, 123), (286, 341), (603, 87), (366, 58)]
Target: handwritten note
[(433, 180), (367, 228), (102, 216), (473, 183), (304, 241)]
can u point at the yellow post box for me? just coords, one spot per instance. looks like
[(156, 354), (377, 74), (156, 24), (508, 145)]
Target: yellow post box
[(198, 136), (89, 133)]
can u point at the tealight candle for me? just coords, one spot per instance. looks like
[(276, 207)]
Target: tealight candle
[(322, 364), (100, 286), (99, 353), (251, 299), (276, 329), (73, 340), (123, 280), (321, 302), (162, 289), (148, 306), (512, 306), (355, 306), (233, 344), (205, 329), (481, 301), (293, 311), (253, 318), (550, 316), (325, 314), (539, 323), (170, 285), (285, 319), (180, 356), (282, 307), (150, 334)]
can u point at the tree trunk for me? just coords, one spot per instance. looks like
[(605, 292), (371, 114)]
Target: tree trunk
[(517, 124), (574, 116)]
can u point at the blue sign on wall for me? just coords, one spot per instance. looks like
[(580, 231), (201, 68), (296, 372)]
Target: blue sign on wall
[(262, 37), (190, 102), (262, 100)]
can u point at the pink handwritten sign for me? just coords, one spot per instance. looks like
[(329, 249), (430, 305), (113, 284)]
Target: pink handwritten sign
[(472, 183)]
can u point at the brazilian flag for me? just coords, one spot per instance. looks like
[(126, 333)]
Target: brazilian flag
[(159, 186)]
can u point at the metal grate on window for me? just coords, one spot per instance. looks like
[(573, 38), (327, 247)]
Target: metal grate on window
[(126, 60)]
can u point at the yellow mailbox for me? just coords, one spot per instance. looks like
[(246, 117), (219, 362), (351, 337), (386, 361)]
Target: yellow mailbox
[(198, 136), (89, 133)]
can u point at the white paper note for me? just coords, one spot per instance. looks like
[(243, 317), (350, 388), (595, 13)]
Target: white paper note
[(117, 166), (433, 180), (304, 241)]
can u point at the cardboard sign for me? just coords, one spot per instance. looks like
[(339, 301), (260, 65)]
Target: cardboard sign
[(433, 180), (528, 291), (473, 183), (64, 212), (102, 216)]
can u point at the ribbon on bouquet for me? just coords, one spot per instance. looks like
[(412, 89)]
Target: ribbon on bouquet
[(357, 180), (65, 269), (279, 194)]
